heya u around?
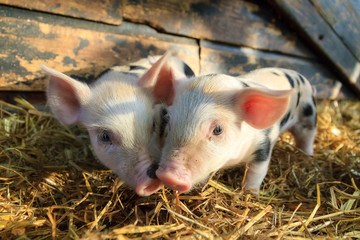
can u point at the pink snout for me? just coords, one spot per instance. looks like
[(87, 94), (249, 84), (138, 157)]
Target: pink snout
[(147, 183), (148, 186), (175, 177)]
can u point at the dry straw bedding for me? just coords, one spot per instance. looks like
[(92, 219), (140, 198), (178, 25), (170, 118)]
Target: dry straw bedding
[(52, 187)]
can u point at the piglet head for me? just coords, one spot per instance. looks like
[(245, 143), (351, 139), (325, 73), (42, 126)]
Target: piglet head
[(118, 112), (210, 123)]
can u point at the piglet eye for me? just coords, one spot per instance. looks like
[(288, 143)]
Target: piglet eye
[(104, 137), (217, 130)]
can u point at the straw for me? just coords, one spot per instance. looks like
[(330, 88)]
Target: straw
[(53, 187)]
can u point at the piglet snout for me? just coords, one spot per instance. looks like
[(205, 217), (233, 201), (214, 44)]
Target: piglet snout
[(148, 186), (175, 177), (148, 183)]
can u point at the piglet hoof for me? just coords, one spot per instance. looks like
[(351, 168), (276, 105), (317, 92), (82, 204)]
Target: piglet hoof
[(252, 191)]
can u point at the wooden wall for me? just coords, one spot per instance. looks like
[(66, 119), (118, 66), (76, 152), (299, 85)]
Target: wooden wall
[(83, 38)]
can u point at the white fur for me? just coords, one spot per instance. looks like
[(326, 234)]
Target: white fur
[(209, 100)]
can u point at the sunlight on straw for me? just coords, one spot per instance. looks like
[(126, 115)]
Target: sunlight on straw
[(192, 221), (335, 131), (54, 188), (251, 223)]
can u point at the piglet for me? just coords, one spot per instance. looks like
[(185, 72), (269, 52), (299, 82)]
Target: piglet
[(218, 121), (118, 112)]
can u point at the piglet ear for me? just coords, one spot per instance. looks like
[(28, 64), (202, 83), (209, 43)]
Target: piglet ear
[(161, 79), (65, 96), (261, 108)]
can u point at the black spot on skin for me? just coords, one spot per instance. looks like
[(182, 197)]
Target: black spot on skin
[(262, 153), (291, 81), (164, 120), (133, 67), (308, 110), (302, 79), (298, 99), (244, 84), (284, 120), (151, 172), (315, 114), (275, 73), (188, 71), (267, 131)]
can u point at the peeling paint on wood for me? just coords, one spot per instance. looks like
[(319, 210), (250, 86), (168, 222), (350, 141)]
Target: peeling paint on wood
[(250, 23), (344, 20), (83, 49), (80, 52), (323, 39), (108, 11), (216, 58)]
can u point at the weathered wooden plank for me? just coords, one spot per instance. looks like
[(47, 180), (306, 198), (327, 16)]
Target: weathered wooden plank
[(344, 20), (107, 11), (323, 38), (249, 23), (82, 49), (216, 58), (356, 4)]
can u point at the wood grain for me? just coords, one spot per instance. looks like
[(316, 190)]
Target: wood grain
[(79, 48), (216, 58), (249, 23), (107, 11), (323, 39), (343, 19)]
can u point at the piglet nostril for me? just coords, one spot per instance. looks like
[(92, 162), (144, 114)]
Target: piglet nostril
[(151, 172)]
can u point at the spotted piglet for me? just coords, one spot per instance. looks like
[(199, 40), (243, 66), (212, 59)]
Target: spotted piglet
[(218, 121), (118, 110)]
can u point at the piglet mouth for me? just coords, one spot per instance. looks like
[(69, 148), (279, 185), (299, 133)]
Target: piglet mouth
[(146, 181)]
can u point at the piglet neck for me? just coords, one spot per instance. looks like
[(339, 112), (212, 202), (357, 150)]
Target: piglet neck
[(244, 146)]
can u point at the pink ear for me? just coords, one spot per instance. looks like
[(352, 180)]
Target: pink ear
[(160, 80), (262, 108), (65, 96)]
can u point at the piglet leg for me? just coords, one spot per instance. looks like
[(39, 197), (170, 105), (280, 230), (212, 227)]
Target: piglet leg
[(255, 175)]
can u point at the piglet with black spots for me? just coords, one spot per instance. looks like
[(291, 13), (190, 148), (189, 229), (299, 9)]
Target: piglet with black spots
[(218, 121), (120, 113)]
